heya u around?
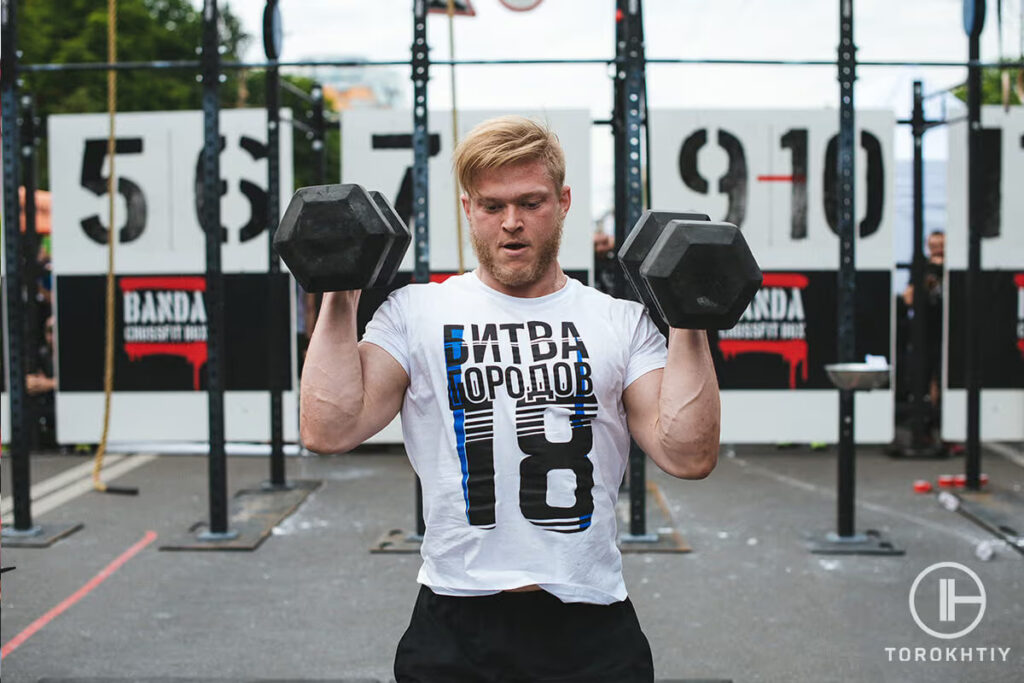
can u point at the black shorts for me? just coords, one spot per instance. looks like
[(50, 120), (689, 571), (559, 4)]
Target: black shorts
[(528, 636)]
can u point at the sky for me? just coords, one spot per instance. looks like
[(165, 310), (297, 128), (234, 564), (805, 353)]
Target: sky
[(758, 29)]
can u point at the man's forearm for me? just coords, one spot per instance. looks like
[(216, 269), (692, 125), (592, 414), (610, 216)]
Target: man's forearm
[(689, 410), (332, 378)]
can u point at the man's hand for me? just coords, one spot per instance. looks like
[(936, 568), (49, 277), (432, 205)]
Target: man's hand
[(38, 383)]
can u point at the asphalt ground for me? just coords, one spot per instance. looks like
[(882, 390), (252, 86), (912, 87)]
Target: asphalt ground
[(749, 603)]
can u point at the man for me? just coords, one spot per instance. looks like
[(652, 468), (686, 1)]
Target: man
[(933, 282), (519, 389), (605, 265), (40, 386)]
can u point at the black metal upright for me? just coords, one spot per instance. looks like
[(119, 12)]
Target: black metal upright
[(319, 134), (277, 354), (628, 119), (621, 152), (920, 411), (844, 541), (19, 427), (30, 245), (846, 299), (974, 22), (217, 461), (420, 175)]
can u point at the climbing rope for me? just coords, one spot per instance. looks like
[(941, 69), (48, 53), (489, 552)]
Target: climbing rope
[(455, 133), (108, 351)]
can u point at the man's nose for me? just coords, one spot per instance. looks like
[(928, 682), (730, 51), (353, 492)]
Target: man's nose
[(511, 218)]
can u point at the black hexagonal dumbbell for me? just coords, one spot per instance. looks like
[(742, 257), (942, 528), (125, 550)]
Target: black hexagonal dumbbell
[(638, 244), (394, 255), (338, 237), (696, 274)]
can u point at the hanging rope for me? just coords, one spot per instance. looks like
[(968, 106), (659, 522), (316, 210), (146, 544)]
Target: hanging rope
[(108, 351), (1004, 75), (1006, 81), (455, 133), (1020, 72)]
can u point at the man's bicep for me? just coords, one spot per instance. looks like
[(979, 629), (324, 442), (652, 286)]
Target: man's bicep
[(384, 385), (641, 402)]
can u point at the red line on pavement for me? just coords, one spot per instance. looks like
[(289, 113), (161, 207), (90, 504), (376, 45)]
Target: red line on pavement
[(104, 574)]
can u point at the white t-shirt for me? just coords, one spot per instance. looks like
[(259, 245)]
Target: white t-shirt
[(514, 422)]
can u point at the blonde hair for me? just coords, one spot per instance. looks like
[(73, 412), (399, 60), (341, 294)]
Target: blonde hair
[(506, 141)]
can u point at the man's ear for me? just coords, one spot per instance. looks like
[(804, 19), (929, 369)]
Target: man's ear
[(465, 204), (565, 199)]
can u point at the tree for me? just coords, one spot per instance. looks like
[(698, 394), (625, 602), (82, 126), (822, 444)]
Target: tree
[(992, 86), (71, 31)]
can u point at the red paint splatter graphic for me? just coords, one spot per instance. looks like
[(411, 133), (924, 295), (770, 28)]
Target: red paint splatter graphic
[(1018, 279), (189, 283), (792, 351), (196, 352), (785, 280), (782, 179)]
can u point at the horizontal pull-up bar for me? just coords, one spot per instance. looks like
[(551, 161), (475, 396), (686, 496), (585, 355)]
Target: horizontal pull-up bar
[(832, 62), (194, 64)]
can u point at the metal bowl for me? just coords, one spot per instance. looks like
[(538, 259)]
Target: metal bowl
[(863, 376)]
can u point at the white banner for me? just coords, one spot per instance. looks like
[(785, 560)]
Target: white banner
[(1005, 132), (158, 166), (157, 208), (1002, 264)]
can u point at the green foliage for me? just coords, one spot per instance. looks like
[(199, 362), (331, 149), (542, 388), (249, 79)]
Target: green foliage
[(992, 87), (68, 31)]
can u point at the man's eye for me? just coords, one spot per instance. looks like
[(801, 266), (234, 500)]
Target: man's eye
[(531, 205), (491, 208)]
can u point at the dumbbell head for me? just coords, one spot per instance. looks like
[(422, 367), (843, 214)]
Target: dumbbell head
[(701, 274), (638, 244), (403, 237), (334, 237)]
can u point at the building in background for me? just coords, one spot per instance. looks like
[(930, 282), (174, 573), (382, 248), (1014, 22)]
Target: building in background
[(351, 87)]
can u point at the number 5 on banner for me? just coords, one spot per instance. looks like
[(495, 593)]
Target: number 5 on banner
[(94, 181)]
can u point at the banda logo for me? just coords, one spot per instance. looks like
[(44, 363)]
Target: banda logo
[(165, 316), (774, 322), (1018, 279)]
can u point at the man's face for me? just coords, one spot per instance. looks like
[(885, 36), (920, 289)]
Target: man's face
[(515, 217), (937, 246)]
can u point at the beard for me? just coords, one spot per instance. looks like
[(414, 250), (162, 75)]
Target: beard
[(518, 274)]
